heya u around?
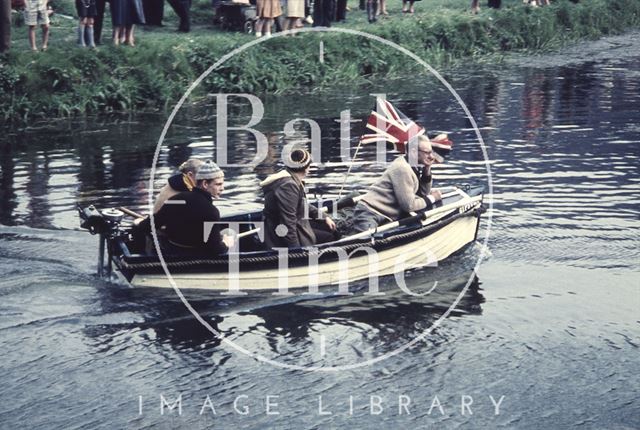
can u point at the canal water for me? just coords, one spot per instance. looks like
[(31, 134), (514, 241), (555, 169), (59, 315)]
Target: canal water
[(545, 336)]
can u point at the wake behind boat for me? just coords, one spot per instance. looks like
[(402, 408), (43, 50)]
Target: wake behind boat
[(416, 240)]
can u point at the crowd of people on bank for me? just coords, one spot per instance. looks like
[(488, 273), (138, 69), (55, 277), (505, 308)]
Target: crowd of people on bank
[(126, 14), (327, 11)]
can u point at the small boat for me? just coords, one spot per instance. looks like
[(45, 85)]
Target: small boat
[(417, 240)]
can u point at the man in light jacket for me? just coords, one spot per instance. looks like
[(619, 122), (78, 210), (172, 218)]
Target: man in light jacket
[(401, 189)]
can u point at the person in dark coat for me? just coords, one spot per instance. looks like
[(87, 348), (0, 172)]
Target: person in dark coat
[(372, 8), (341, 10), (98, 20), (5, 25), (124, 15), (323, 12), (182, 8), (153, 11), (289, 220), (182, 218)]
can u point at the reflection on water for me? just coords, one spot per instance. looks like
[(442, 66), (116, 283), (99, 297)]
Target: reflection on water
[(358, 327), (361, 327)]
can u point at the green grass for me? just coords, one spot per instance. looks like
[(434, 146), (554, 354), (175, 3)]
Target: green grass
[(68, 81)]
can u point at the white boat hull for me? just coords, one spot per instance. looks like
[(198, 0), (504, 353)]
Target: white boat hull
[(426, 251)]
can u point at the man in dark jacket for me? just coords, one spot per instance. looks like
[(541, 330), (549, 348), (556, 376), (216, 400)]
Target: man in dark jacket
[(182, 218), (289, 221)]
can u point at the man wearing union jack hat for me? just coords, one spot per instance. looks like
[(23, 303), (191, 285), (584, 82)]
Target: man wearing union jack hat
[(402, 188)]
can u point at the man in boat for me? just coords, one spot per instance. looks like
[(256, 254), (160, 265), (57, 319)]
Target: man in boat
[(401, 189), (289, 220), (182, 217), (183, 181)]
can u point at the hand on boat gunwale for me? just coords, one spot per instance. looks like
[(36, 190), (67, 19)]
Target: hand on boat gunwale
[(330, 223), (436, 194), (228, 240)]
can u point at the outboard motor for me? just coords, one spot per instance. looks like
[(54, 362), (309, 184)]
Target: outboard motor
[(112, 217), (92, 219), (105, 222), (107, 225)]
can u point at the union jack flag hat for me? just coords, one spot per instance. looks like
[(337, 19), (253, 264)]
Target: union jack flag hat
[(441, 145), (389, 124)]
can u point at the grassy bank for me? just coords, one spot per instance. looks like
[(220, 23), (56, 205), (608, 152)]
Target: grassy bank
[(67, 81)]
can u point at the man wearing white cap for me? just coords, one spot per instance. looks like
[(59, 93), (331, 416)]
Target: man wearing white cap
[(182, 216), (401, 189)]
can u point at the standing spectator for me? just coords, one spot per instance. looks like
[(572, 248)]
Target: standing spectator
[(182, 8), (322, 13), (295, 14), (119, 19), (36, 13), (97, 21), (124, 15), (372, 7), (137, 17), (153, 11), (5, 25), (86, 12), (410, 9), (308, 12), (341, 10), (382, 8), (267, 11)]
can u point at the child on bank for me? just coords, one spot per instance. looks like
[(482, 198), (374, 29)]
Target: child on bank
[(35, 13), (87, 11)]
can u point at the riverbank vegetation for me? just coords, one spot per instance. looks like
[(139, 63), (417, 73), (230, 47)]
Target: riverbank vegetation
[(68, 81)]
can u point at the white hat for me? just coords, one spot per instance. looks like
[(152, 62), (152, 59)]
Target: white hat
[(209, 170), (298, 159)]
